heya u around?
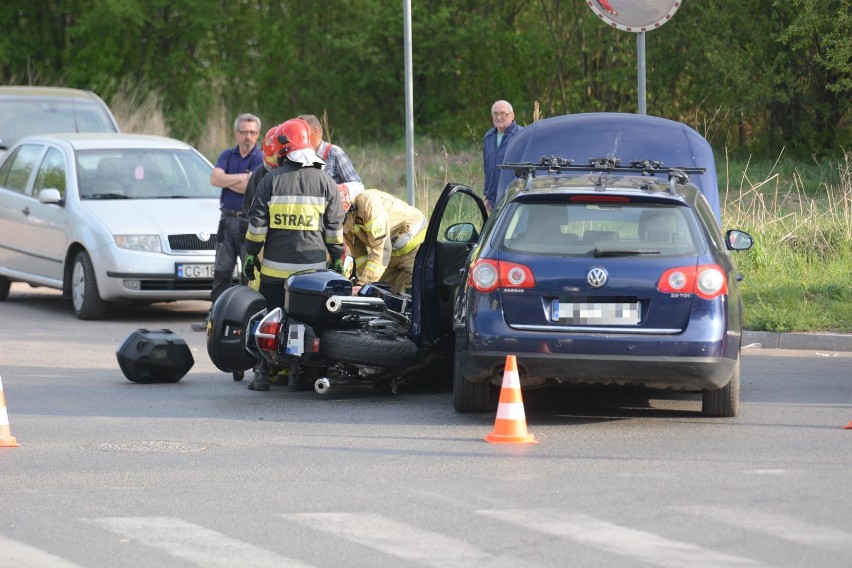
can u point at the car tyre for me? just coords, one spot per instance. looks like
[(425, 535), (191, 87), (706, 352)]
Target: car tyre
[(5, 285), (724, 402), (468, 396), (366, 349), (87, 302)]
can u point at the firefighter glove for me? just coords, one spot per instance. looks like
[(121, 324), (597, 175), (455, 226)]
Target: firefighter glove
[(250, 265), (338, 265)]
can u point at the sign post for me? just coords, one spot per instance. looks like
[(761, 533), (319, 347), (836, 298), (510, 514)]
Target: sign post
[(637, 16)]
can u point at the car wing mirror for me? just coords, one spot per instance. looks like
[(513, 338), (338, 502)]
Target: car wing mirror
[(50, 195), (738, 240), (461, 233)]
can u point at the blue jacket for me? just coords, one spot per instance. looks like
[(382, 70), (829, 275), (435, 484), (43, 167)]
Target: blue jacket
[(492, 156)]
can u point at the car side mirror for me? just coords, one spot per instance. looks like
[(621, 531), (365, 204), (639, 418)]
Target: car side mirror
[(461, 233), (50, 195), (738, 240)]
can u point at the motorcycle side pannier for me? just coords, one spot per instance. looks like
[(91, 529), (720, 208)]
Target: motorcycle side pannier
[(154, 356), (308, 291), (228, 328)]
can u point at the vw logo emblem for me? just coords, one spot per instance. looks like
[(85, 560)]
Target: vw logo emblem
[(204, 236), (596, 277)]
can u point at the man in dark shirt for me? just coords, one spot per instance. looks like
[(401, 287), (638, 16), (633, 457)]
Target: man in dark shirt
[(494, 148), (231, 173)]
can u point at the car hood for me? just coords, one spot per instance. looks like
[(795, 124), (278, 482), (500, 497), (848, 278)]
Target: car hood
[(157, 216)]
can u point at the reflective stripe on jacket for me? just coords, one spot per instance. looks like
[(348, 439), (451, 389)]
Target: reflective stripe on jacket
[(296, 218)]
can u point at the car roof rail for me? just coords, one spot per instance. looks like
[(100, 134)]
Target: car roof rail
[(555, 164)]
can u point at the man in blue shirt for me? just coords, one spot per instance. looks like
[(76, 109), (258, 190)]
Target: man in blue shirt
[(232, 172), (494, 148)]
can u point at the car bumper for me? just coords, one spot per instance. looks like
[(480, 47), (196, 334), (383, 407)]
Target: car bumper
[(131, 275), (701, 357)]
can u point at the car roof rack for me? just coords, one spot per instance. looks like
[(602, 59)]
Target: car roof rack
[(555, 164)]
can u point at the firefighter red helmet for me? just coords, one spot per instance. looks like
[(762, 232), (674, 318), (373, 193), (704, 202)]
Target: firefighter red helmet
[(294, 134), (272, 148)]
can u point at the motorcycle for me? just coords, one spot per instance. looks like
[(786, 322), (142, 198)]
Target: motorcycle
[(323, 335)]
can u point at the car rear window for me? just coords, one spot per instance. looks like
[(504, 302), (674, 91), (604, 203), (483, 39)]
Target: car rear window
[(31, 117), (600, 228)]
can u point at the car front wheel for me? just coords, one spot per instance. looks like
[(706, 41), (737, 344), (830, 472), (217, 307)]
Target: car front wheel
[(468, 396), (724, 402), (5, 284), (88, 304)]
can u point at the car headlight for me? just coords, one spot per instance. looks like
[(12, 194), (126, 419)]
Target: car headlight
[(150, 243)]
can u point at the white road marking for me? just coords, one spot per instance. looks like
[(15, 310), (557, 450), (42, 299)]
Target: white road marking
[(14, 554), (640, 545), (778, 526), (403, 541), (193, 543)]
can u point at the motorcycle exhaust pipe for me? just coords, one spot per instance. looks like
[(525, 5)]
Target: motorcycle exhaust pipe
[(361, 304), (336, 303), (322, 385)]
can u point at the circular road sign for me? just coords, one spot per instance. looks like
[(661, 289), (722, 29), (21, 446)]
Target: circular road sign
[(634, 15)]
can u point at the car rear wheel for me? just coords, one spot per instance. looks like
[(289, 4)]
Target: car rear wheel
[(88, 304), (365, 349), (5, 284), (724, 402), (468, 396)]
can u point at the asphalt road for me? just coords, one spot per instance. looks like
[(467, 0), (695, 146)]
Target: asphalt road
[(204, 472)]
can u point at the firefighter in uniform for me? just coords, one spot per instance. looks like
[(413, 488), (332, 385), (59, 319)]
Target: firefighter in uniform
[(383, 234), (296, 219)]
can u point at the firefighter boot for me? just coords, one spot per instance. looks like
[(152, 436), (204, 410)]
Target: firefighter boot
[(260, 381)]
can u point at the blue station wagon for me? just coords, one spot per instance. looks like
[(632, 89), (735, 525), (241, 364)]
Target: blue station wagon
[(604, 263)]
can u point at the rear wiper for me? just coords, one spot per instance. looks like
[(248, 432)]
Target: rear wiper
[(106, 196), (598, 252)]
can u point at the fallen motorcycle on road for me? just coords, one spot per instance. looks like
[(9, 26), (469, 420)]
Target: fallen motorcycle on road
[(323, 336)]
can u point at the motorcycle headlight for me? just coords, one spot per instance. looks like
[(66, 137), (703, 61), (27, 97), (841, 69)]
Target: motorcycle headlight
[(149, 243)]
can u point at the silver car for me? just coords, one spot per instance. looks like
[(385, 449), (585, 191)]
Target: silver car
[(25, 111), (108, 218)]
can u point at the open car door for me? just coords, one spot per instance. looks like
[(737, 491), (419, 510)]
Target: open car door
[(454, 229)]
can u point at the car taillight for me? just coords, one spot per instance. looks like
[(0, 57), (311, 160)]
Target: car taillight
[(266, 335), (486, 275), (706, 280)]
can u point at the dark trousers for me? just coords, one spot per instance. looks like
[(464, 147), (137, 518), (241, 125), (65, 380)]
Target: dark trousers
[(274, 293), (230, 246)]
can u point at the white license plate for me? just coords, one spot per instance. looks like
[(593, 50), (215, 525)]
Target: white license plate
[(596, 313), (193, 271)]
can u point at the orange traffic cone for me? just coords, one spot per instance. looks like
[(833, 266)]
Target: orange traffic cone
[(848, 426), (6, 438), (510, 426)]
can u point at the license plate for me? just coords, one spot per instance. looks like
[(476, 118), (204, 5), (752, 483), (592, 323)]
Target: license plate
[(595, 313), (193, 271)]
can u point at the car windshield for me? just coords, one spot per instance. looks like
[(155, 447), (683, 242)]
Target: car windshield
[(600, 229), (30, 117), (143, 174)]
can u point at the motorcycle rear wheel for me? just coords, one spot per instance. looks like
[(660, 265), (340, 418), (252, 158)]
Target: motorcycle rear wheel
[(361, 348)]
